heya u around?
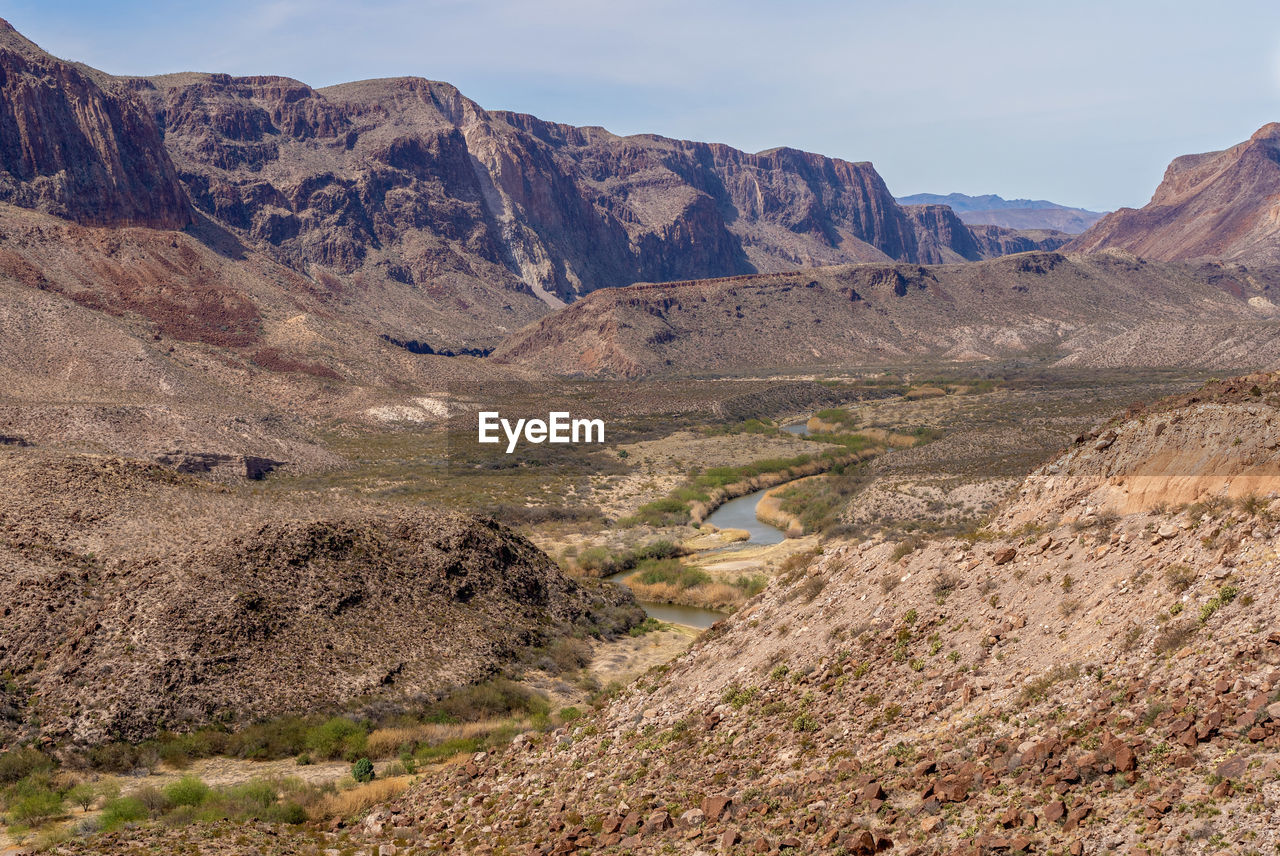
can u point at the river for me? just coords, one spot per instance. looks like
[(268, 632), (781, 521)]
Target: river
[(740, 513), (737, 513)]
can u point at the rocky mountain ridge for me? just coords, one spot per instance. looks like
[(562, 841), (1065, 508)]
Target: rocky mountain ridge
[(406, 182), (1219, 205), (1086, 307)]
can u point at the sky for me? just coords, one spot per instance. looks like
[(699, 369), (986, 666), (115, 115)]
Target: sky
[(1083, 103)]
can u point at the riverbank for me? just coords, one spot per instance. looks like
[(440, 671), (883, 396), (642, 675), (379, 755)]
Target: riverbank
[(700, 510)]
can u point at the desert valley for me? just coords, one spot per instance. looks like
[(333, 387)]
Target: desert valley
[(933, 524)]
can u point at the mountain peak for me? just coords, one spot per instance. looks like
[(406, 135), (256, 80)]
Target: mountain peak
[(1212, 205)]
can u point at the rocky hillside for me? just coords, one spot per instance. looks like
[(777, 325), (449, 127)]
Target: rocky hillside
[(75, 143), (135, 599), (993, 210), (1214, 205), (1096, 681), (1032, 303)]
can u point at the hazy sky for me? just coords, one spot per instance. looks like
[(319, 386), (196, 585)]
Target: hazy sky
[(1080, 102)]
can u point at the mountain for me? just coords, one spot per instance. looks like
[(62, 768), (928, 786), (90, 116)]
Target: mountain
[(990, 209), (75, 143), (452, 222), (1220, 205), (1029, 304)]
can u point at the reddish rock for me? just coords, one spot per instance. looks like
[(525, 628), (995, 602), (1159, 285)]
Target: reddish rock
[(1054, 811), (1004, 556), (714, 807)]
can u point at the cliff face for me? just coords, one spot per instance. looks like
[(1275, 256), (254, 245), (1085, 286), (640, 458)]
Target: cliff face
[(75, 144), (452, 224), (406, 179), (1219, 205)]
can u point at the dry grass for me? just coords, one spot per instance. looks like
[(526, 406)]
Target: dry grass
[(711, 595), (388, 742), (358, 800)]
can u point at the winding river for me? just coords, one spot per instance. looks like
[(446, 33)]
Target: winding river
[(737, 513), (740, 513)]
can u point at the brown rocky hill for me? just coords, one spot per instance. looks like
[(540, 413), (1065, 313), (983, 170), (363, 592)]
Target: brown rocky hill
[(75, 143), (1032, 303), (142, 341), (136, 599), (1220, 205), (1100, 680)]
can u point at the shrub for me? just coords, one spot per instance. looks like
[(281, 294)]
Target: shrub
[(903, 549), (122, 810), (1225, 595), (671, 571), (152, 798), (17, 764), (1039, 687), (36, 806), (188, 791), (289, 812), (491, 700), (362, 771), (339, 737), (1174, 636), (1179, 577), (82, 795)]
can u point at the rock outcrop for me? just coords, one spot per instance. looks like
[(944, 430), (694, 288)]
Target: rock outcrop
[(75, 143), (120, 619)]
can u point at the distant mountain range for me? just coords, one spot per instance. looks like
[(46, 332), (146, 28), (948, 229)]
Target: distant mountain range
[(993, 210)]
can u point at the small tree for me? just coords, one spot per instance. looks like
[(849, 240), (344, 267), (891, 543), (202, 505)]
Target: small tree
[(82, 795), (362, 770)]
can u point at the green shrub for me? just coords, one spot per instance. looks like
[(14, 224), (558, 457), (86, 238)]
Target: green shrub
[(250, 798), (362, 770), (36, 806), (188, 791), (17, 764), (288, 812), (82, 795), (338, 737), (671, 572), (1225, 595), (493, 699), (122, 810)]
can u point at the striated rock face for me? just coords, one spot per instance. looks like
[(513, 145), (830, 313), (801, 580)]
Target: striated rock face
[(76, 144), (432, 208), (1220, 205), (407, 180), (998, 241)]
